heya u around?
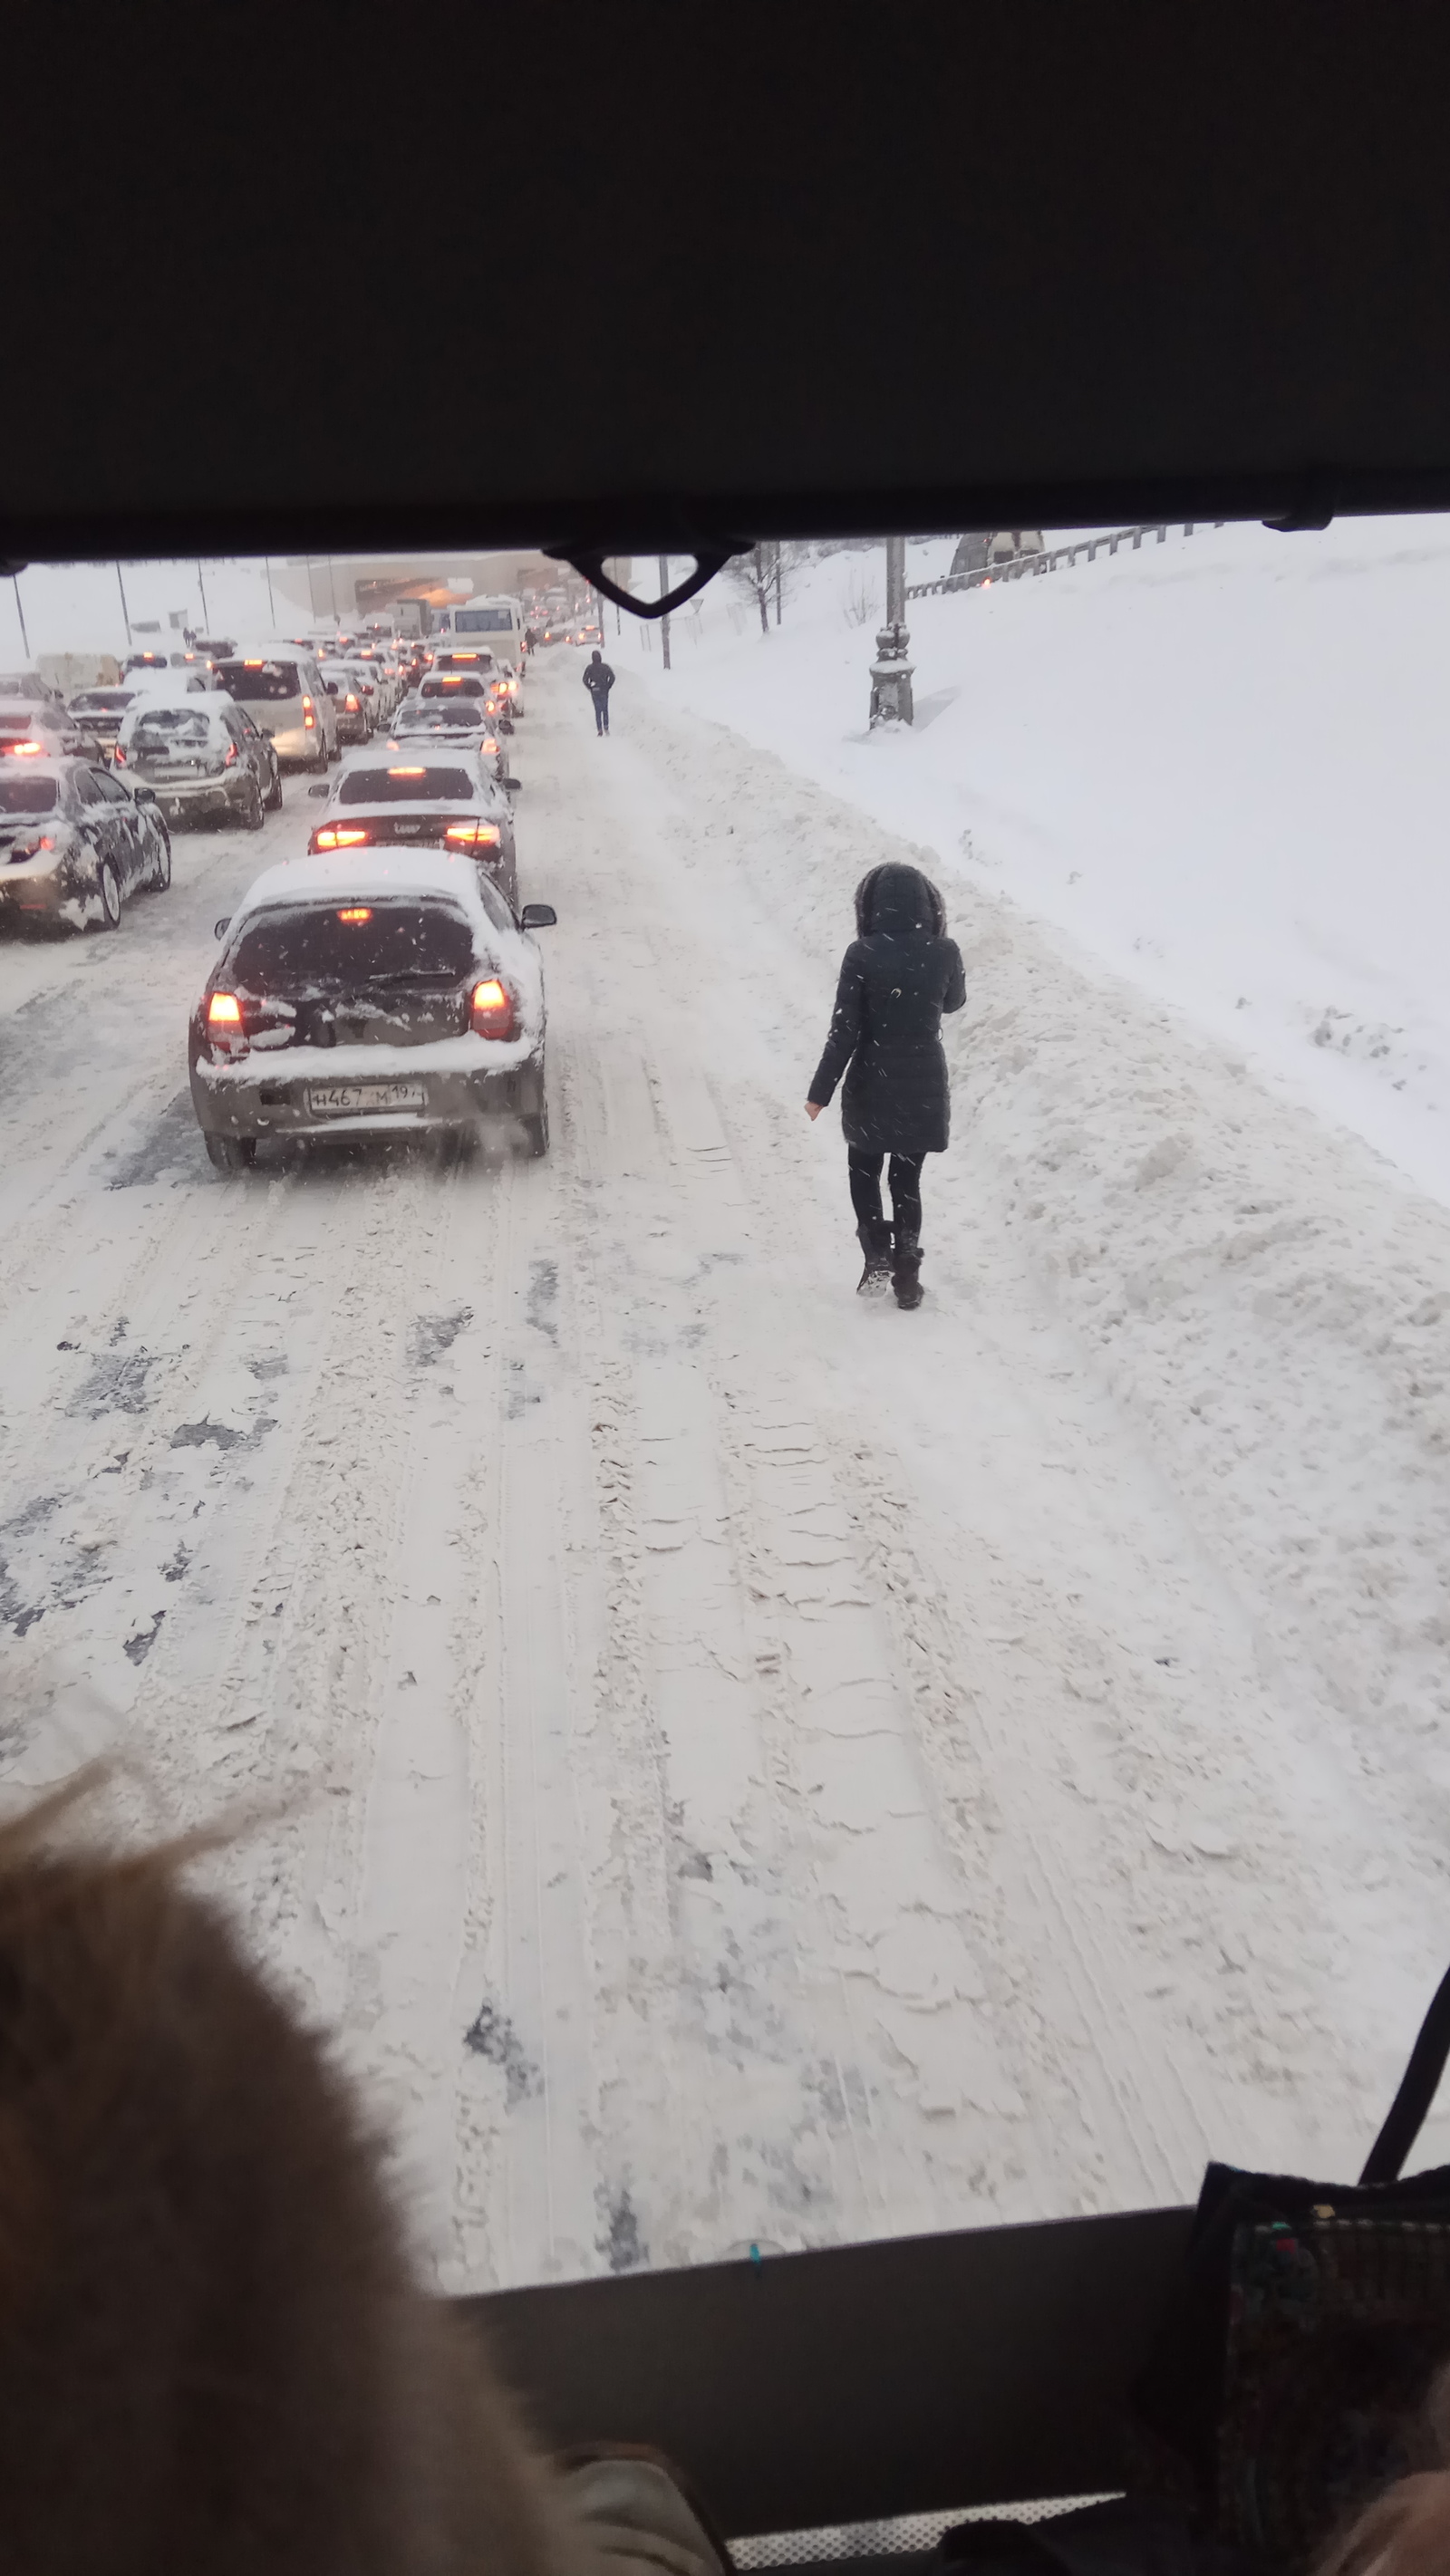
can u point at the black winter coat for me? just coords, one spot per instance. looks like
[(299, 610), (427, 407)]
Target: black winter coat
[(897, 978), (598, 676)]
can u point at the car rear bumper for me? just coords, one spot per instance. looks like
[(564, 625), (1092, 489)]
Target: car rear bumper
[(297, 743), (184, 801), (64, 891), (259, 1101)]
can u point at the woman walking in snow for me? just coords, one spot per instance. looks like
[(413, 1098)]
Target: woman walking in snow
[(897, 977)]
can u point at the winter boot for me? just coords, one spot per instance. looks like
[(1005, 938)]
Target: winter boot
[(874, 1237), (906, 1270)]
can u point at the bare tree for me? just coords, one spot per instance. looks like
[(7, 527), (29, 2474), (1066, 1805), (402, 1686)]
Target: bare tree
[(765, 573)]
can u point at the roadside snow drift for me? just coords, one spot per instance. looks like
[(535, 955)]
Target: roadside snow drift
[(1222, 763)]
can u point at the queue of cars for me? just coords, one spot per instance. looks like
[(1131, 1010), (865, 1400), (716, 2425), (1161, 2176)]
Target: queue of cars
[(382, 978)]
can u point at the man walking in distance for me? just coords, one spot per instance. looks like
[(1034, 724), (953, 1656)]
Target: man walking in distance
[(599, 680)]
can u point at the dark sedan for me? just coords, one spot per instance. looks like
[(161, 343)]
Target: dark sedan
[(75, 841)]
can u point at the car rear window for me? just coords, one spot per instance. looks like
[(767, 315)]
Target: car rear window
[(163, 728), (454, 684), (102, 702), (259, 683), (405, 786), (446, 715), (21, 793), (482, 621), (353, 944)]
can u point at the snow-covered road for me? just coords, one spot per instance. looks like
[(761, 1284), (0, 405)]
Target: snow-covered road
[(736, 1766)]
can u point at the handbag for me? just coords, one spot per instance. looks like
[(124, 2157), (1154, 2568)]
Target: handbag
[(1288, 2381)]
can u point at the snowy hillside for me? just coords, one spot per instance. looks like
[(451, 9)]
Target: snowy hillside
[(1221, 764)]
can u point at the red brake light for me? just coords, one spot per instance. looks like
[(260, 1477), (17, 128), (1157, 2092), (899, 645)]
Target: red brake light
[(231, 755), (118, 755), (357, 912), (342, 836), (32, 849), (493, 1009), (224, 1011), (407, 773), (308, 718), (350, 703), (488, 743), (468, 834), (253, 666), (24, 750)]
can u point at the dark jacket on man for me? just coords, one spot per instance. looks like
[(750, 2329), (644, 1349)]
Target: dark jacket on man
[(598, 677), (897, 977)]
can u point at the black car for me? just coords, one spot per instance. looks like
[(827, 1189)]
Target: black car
[(75, 841)]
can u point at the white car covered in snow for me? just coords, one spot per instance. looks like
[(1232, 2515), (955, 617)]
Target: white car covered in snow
[(365, 992), (446, 799)]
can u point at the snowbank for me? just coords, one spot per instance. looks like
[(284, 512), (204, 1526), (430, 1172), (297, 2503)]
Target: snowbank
[(1220, 763)]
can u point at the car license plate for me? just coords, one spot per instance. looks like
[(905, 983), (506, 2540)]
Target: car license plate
[(355, 1099)]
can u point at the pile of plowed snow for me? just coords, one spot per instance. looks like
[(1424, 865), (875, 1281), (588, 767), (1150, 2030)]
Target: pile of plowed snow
[(1220, 762)]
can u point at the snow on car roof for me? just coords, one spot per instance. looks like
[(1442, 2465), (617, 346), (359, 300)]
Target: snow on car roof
[(152, 706), (370, 873)]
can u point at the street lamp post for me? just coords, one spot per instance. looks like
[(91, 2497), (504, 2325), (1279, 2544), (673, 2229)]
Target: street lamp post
[(891, 671)]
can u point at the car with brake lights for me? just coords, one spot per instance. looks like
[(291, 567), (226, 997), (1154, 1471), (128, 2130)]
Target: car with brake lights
[(281, 688), (438, 717), (204, 757), (43, 728), (348, 705), (75, 841), (397, 796), (370, 992)]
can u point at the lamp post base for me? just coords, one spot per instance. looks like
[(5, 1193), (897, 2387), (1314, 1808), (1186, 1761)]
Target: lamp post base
[(891, 678)]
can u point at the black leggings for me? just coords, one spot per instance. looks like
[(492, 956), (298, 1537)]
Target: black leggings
[(905, 1182)]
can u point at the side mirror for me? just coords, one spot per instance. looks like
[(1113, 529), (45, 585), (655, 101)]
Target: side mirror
[(538, 916), (512, 785), (319, 791), (220, 928), (267, 732), (143, 795), (331, 687)]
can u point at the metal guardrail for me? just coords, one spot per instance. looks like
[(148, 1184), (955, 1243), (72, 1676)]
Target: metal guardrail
[(1016, 567)]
